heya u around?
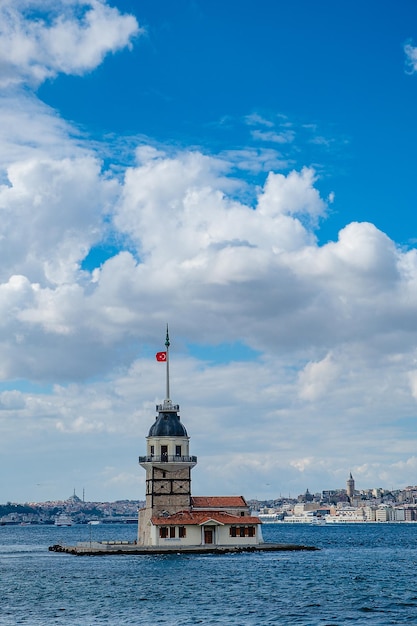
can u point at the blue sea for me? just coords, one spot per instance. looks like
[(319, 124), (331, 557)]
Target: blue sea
[(363, 574)]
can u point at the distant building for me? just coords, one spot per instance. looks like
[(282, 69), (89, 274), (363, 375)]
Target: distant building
[(350, 487), (306, 497), (172, 516)]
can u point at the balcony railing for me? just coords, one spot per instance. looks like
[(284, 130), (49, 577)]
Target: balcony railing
[(167, 458)]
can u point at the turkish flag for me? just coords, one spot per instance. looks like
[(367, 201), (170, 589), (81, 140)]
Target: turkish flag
[(161, 356)]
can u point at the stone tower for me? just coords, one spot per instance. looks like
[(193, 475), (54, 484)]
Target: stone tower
[(350, 487), (167, 463)]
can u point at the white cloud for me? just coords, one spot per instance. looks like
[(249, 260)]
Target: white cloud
[(80, 425), (274, 137), (294, 194), (52, 212), (411, 57), (413, 383), (12, 400), (242, 270), (301, 464), (316, 378), (256, 160), (254, 119), (70, 37), (31, 130)]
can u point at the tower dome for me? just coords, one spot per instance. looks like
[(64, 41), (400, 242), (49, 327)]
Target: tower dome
[(167, 424)]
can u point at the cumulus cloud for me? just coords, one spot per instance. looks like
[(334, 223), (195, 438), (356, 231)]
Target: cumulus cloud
[(185, 199), (316, 378), (80, 425), (59, 206), (194, 245), (32, 130), (40, 39)]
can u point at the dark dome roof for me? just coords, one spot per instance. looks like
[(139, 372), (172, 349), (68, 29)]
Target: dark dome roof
[(167, 424)]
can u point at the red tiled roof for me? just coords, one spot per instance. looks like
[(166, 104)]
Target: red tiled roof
[(216, 502), (183, 518)]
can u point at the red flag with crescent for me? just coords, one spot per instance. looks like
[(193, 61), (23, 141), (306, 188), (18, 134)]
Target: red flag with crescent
[(161, 356)]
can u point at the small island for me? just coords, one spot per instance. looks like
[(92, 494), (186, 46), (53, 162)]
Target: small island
[(172, 520)]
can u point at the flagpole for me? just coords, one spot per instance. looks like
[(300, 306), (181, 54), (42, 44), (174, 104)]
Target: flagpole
[(168, 400)]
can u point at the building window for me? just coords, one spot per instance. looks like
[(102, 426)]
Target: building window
[(152, 450), (182, 532), (172, 532), (242, 531), (177, 450), (163, 532)]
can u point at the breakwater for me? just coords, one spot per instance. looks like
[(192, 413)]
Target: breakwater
[(125, 548)]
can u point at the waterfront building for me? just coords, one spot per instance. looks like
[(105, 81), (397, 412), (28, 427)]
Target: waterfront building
[(303, 507), (172, 516), (384, 514), (399, 514), (410, 514), (370, 513)]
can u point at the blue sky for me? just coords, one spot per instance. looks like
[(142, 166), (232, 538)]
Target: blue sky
[(333, 74), (244, 171)]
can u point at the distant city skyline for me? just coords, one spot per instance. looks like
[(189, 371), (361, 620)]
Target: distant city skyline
[(74, 498)]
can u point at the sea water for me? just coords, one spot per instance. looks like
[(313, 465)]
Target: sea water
[(362, 574)]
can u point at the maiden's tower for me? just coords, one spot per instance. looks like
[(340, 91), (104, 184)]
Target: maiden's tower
[(172, 516)]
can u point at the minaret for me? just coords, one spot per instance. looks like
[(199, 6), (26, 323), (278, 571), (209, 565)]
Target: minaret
[(167, 462), (350, 487)]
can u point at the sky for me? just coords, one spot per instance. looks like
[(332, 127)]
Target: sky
[(244, 171)]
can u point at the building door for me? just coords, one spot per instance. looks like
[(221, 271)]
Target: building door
[(208, 534)]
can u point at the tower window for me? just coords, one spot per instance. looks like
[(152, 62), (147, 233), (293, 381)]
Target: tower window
[(152, 450), (177, 450)]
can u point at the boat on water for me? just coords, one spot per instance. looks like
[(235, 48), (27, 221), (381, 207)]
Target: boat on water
[(269, 518), (303, 519), (346, 519), (63, 520)]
